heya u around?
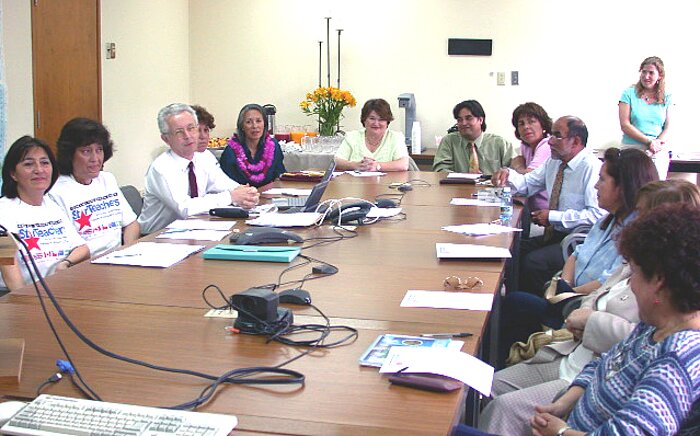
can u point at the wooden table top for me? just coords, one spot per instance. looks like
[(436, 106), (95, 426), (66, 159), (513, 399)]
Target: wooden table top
[(157, 314)]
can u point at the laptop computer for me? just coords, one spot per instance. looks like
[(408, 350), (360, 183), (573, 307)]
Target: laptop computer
[(306, 204)]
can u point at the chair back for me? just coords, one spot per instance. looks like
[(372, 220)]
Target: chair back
[(133, 197)]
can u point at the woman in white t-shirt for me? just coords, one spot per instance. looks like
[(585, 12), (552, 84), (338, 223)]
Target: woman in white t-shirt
[(25, 210), (91, 197)]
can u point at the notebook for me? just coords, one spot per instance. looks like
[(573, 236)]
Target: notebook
[(252, 253)]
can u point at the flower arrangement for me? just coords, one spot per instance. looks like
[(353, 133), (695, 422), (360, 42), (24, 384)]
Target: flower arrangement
[(328, 104)]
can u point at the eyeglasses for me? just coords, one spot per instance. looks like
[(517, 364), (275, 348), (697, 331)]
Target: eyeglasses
[(182, 133), (454, 283), (557, 136)]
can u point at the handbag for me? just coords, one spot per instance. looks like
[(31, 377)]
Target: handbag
[(562, 301), (520, 351)]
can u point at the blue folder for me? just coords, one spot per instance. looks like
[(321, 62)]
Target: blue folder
[(256, 253)]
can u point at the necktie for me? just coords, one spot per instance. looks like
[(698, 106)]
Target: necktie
[(473, 159), (554, 199), (193, 180)]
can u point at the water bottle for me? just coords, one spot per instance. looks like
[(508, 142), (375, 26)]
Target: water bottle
[(415, 138), (506, 205)]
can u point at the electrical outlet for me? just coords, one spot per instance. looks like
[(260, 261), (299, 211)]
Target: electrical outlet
[(514, 78), (501, 78)]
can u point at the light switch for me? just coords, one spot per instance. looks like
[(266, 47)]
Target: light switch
[(111, 50), (501, 78), (514, 78)]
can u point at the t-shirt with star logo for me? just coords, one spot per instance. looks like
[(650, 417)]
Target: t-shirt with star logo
[(99, 210), (47, 231)]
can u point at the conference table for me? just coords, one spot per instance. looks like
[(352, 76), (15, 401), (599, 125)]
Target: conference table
[(157, 315)]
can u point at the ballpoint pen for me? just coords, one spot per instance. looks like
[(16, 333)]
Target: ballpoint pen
[(119, 256), (447, 335)]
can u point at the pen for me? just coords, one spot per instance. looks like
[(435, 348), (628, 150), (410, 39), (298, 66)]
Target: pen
[(176, 231), (447, 335), (119, 256)]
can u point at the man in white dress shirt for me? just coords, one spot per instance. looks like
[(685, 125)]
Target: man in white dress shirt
[(180, 182)]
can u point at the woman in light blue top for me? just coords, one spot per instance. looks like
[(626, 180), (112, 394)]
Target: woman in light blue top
[(644, 114)]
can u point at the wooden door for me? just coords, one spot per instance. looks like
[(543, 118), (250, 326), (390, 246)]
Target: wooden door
[(66, 58)]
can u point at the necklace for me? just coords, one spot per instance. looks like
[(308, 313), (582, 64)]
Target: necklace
[(614, 365), (649, 99), (255, 172)]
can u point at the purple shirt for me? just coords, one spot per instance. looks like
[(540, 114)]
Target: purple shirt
[(533, 159)]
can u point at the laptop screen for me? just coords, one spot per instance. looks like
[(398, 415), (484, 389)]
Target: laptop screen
[(315, 196)]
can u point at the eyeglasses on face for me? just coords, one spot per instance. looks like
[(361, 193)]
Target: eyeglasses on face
[(183, 132), (454, 283)]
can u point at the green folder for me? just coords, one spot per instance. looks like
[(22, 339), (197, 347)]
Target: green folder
[(255, 253)]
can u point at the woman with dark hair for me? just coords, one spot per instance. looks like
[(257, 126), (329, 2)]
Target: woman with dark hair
[(374, 147), (649, 382), (532, 127), (206, 125), (91, 197), (252, 156), (27, 175), (606, 316), (644, 114), (623, 173)]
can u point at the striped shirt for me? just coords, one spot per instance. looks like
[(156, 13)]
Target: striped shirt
[(640, 386)]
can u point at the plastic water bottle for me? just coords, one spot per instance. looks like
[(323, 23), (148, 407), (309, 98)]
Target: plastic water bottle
[(506, 205), (416, 138)]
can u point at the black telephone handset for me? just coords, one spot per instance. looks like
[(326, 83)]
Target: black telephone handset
[(350, 212)]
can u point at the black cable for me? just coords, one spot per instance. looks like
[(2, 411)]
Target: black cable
[(294, 376)]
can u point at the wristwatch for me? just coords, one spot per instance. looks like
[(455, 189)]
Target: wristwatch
[(562, 430)]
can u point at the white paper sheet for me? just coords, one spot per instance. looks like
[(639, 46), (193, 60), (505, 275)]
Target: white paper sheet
[(296, 192), (470, 251), (365, 173), (463, 176), (448, 300), (196, 234), (152, 254), (454, 364), (379, 212), (481, 229), (472, 202), (201, 225), (301, 219)]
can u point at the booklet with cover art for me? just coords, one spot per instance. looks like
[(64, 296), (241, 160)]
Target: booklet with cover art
[(377, 352)]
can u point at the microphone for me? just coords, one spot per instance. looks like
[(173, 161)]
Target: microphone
[(229, 212)]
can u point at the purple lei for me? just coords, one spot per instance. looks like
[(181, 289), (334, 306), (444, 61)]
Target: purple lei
[(255, 172)]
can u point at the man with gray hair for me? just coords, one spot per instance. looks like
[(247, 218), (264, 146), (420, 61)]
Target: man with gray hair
[(179, 182)]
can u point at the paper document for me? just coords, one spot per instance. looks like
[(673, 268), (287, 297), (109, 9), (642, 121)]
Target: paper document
[(378, 212), (470, 251), (201, 225), (473, 202), (454, 364), (301, 219), (481, 229), (294, 192), (365, 173), (463, 176), (448, 300), (153, 254), (196, 235)]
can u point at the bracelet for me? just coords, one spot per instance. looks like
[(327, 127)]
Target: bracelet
[(563, 430), (70, 264)]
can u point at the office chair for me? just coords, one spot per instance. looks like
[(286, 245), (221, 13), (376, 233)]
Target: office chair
[(133, 197)]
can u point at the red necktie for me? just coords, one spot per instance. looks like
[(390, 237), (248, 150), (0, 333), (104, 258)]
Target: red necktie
[(193, 180)]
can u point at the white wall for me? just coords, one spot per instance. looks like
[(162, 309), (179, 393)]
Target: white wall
[(574, 57), (151, 69)]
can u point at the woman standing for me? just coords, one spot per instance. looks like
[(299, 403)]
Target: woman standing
[(252, 156), (644, 114), (91, 197), (28, 173), (375, 147)]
